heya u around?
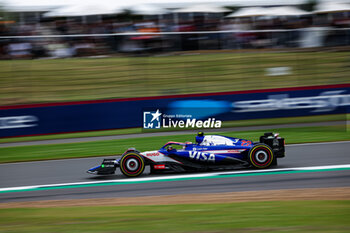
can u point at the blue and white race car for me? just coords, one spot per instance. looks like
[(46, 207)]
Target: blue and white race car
[(211, 152)]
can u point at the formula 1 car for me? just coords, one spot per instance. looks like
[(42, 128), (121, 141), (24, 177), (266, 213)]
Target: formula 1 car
[(212, 152)]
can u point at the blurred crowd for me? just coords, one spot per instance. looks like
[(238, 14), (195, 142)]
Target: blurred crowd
[(74, 38)]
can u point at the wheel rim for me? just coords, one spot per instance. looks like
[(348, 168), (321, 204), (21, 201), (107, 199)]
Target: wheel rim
[(261, 156), (132, 164)]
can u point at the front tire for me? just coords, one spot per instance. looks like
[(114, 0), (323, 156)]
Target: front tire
[(261, 156), (132, 164)]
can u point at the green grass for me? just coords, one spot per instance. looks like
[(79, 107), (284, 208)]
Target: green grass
[(35, 81), (73, 135), (226, 124), (273, 216), (115, 147)]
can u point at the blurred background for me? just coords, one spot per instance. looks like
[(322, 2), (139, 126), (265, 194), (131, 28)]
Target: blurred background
[(69, 70), (72, 50)]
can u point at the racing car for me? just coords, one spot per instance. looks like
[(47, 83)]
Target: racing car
[(210, 152)]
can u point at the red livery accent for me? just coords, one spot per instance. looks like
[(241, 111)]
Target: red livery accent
[(246, 143), (236, 151), (160, 166), (153, 154)]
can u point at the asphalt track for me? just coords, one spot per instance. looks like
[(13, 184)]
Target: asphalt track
[(73, 170)]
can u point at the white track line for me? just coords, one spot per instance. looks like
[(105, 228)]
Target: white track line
[(175, 177)]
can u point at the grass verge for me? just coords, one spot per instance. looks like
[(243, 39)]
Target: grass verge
[(112, 147), (75, 79), (272, 216)]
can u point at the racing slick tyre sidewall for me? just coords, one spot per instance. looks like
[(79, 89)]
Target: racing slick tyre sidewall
[(261, 156), (132, 164)]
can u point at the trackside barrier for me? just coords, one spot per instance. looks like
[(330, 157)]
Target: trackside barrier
[(67, 117)]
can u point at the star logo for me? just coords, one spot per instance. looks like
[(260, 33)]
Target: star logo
[(156, 115), (152, 119)]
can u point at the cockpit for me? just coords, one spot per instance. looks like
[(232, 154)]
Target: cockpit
[(214, 140)]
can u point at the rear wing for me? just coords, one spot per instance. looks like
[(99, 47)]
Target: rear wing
[(276, 142)]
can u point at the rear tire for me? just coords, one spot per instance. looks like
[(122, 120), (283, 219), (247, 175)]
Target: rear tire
[(132, 164), (261, 156)]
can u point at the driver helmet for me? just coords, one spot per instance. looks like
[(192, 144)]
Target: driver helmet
[(170, 148), (200, 137)]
